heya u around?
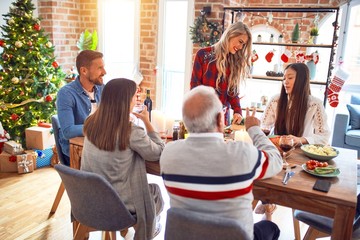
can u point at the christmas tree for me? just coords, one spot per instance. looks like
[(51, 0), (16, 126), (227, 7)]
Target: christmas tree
[(30, 76)]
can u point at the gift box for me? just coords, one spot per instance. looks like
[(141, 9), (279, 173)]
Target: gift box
[(25, 163), (13, 148), (43, 157), (39, 138), (8, 162), (33, 155)]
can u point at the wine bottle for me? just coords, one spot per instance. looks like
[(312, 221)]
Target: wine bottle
[(148, 102)]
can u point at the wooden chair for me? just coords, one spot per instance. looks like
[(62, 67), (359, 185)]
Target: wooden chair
[(185, 224), (320, 226), (95, 204), (56, 128)]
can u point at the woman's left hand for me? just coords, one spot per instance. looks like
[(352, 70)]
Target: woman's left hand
[(237, 118)]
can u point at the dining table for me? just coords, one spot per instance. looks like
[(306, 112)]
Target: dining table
[(338, 203)]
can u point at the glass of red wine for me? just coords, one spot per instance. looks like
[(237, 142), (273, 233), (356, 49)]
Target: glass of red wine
[(266, 129), (286, 143)]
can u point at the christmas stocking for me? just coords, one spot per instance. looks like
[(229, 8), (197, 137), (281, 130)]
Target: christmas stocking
[(285, 56), (269, 56), (335, 86)]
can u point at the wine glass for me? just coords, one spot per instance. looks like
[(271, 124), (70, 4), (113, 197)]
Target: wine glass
[(266, 129), (286, 143)]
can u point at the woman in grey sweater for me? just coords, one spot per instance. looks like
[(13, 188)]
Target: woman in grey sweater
[(117, 149)]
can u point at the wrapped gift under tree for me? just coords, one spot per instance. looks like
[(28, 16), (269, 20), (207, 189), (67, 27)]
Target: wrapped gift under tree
[(25, 163), (13, 148)]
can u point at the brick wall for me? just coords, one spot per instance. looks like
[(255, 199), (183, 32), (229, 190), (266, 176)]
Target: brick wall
[(148, 46), (64, 21)]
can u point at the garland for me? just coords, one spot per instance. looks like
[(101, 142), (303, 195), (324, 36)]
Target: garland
[(204, 32)]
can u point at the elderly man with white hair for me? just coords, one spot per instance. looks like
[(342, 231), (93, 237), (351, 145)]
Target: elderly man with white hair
[(205, 174)]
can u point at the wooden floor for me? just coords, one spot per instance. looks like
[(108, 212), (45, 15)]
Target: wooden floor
[(26, 199)]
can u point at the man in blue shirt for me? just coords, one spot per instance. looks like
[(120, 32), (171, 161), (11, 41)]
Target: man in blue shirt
[(78, 99)]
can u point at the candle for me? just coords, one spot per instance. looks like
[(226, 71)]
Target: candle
[(158, 120)]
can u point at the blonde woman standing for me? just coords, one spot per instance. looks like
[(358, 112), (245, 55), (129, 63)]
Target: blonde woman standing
[(224, 65)]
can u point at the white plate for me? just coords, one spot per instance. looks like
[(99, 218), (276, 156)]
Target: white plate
[(312, 172)]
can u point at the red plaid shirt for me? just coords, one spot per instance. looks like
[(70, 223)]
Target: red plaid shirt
[(205, 73)]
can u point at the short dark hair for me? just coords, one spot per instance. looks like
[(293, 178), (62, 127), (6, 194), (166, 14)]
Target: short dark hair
[(85, 57)]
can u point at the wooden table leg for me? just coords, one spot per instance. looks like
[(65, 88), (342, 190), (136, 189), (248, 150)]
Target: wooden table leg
[(343, 223)]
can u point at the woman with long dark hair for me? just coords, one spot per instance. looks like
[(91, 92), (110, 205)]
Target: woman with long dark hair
[(296, 114), (117, 149)]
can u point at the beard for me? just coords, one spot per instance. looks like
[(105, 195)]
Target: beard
[(97, 81)]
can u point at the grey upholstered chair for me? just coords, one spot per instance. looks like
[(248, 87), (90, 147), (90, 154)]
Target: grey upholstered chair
[(185, 224), (320, 226), (56, 128), (95, 204)]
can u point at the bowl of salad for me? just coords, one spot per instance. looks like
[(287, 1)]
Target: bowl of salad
[(320, 152)]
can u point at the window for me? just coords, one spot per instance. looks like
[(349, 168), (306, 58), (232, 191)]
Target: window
[(119, 37), (349, 47), (173, 56)]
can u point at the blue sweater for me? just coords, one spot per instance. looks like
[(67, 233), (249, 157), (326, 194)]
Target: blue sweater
[(73, 107)]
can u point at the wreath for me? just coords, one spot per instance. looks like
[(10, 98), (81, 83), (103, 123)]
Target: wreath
[(204, 32)]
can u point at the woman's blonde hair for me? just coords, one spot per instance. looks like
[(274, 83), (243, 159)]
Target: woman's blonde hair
[(238, 63)]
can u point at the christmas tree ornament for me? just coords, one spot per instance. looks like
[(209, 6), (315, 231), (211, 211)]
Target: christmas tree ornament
[(14, 117), (30, 44), (18, 44), (48, 98), (11, 21), (37, 27), (48, 44), (269, 56), (55, 64), (335, 86), (15, 80), (2, 43), (285, 56)]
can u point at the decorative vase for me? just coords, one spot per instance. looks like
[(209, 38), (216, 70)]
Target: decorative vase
[(312, 69), (314, 40)]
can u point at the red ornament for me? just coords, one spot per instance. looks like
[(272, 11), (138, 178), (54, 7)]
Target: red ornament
[(55, 64), (2, 43), (37, 27), (48, 98), (30, 43), (14, 117)]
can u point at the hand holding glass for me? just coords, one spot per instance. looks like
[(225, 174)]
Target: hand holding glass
[(286, 144)]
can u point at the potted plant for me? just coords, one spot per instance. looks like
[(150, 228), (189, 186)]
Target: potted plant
[(314, 32), (259, 38), (87, 40), (295, 34)]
